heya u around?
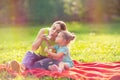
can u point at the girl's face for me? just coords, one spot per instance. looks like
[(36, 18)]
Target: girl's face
[(54, 31), (59, 39)]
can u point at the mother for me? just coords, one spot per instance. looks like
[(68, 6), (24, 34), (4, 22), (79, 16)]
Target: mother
[(37, 54)]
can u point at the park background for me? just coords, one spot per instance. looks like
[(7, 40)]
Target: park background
[(96, 24)]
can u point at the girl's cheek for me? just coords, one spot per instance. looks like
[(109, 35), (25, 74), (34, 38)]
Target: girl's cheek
[(56, 40)]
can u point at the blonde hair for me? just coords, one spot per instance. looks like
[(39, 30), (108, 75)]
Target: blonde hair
[(68, 36)]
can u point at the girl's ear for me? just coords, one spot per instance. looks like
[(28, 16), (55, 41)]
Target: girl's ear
[(64, 41), (67, 41)]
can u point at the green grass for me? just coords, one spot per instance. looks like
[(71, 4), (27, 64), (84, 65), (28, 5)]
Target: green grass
[(94, 43)]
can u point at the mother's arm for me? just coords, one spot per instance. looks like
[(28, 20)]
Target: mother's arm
[(38, 39)]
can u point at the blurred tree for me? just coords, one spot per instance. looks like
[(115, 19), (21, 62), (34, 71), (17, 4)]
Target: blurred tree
[(111, 9), (4, 11), (41, 11), (74, 9), (93, 11), (17, 12), (60, 14), (100, 10), (44, 11)]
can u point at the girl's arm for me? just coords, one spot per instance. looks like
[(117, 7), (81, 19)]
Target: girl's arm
[(56, 56)]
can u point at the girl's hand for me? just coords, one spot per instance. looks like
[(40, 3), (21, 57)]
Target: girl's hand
[(49, 55), (46, 50)]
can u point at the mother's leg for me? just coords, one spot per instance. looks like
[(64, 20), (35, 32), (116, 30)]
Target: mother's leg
[(44, 63), (30, 58)]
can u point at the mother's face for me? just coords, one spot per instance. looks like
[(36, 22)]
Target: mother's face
[(55, 29)]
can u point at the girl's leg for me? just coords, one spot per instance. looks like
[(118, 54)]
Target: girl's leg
[(66, 66), (30, 58), (61, 66), (53, 67), (58, 68)]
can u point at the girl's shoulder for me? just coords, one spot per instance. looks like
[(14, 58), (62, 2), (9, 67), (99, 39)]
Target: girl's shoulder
[(56, 46), (65, 47)]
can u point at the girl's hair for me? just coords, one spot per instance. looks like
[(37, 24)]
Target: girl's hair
[(68, 36), (62, 25)]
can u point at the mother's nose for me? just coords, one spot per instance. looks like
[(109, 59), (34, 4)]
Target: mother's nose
[(54, 31)]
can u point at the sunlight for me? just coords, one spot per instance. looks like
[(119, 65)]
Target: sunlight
[(94, 10)]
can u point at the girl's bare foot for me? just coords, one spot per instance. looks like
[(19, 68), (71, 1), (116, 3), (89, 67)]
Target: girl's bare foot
[(55, 68)]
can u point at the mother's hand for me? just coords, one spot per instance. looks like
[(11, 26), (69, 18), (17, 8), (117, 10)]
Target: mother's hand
[(44, 37)]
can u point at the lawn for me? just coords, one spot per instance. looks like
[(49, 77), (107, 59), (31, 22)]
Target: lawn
[(94, 42)]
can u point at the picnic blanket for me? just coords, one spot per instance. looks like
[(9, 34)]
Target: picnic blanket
[(82, 71)]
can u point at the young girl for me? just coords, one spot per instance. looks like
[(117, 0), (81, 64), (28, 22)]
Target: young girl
[(62, 51)]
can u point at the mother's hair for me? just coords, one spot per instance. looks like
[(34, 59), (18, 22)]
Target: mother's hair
[(62, 24)]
